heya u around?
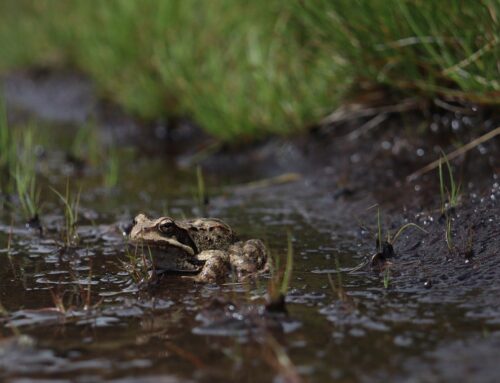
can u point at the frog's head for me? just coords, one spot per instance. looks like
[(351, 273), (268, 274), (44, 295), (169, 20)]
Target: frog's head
[(162, 234)]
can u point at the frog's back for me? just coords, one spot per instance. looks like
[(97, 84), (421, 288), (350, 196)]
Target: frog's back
[(209, 233)]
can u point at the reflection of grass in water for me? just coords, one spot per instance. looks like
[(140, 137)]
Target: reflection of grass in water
[(74, 296), (339, 288), (276, 356), (71, 204), (84, 295), (5, 313), (387, 278)]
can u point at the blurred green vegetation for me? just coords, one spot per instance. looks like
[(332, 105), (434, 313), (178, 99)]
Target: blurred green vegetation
[(243, 69)]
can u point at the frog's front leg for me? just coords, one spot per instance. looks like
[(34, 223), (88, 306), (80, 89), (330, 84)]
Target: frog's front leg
[(215, 268)]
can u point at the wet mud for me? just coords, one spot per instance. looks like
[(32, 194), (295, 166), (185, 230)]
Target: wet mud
[(427, 312)]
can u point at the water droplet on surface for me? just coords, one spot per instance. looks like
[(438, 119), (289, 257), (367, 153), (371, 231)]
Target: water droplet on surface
[(402, 341), (355, 158)]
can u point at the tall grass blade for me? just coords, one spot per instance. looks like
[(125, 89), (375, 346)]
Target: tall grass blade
[(71, 209), (403, 228), (442, 187), (287, 275)]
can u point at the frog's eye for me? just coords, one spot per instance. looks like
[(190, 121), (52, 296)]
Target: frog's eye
[(166, 227)]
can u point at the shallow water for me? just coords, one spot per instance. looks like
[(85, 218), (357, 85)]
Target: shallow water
[(76, 314)]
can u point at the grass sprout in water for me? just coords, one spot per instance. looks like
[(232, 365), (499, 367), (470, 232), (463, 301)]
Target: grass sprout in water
[(136, 263), (71, 207), (450, 194), (385, 247), (279, 283), (389, 238), (27, 192), (24, 175), (450, 198), (201, 190), (87, 144), (88, 148)]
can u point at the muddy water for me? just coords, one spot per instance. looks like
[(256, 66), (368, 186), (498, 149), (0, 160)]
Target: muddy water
[(77, 314)]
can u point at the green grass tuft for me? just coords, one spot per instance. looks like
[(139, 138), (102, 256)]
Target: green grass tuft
[(245, 69), (287, 273), (28, 192), (419, 47), (71, 204), (449, 191), (112, 170), (281, 275), (7, 152), (201, 194)]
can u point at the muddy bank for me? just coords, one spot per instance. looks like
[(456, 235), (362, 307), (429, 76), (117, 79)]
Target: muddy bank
[(432, 305)]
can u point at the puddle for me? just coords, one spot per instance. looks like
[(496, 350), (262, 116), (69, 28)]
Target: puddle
[(77, 312)]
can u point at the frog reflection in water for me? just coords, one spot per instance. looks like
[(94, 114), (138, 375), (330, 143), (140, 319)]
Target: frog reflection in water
[(204, 247)]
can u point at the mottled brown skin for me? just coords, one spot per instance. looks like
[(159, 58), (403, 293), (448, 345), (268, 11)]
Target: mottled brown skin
[(206, 247)]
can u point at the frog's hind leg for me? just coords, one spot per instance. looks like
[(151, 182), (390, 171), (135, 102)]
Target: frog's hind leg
[(249, 257), (215, 268)]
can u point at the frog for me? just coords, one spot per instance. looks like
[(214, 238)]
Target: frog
[(206, 250)]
